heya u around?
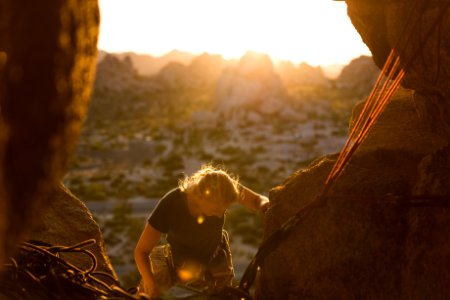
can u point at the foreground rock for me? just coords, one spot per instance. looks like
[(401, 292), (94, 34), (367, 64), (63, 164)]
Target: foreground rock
[(47, 64), (68, 222), (361, 243)]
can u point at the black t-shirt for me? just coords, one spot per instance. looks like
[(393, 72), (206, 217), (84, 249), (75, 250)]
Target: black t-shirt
[(188, 238)]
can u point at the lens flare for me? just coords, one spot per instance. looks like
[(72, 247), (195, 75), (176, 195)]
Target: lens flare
[(190, 271), (185, 275)]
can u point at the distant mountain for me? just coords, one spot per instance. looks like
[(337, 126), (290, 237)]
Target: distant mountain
[(114, 74), (359, 75), (118, 78), (149, 65), (253, 83), (332, 71), (302, 74), (202, 72)]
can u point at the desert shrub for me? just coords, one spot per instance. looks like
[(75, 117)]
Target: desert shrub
[(93, 191), (172, 162)]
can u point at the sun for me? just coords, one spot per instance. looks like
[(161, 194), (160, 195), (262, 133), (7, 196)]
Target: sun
[(317, 32)]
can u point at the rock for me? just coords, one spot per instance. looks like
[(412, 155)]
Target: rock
[(173, 76), (252, 84), (359, 76), (147, 65), (359, 244), (203, 72), (303, 74), (114, 75), (68, 222), (426, 56), (433, 174), (401, 127), (48, 55)]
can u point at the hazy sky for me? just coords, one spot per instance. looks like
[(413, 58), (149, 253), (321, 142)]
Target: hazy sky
[(313, 31)]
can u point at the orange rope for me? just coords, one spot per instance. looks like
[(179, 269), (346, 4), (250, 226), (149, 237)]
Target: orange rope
[(378, 100), (384, 101), (371, 111), (366, 113)]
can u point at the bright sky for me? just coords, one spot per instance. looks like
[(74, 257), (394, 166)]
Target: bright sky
[(318, 32)]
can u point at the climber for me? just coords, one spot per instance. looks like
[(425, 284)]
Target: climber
[(197, 252)]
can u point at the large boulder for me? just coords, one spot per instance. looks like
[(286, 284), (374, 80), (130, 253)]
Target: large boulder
[(419, 33), (115, 75), (252, 84), (301, 75), (369, 239), (361, 243), (359, 76), (202, 72), (47, 63), (68, 222)]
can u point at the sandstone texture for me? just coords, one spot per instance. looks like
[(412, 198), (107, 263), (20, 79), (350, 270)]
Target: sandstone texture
[(68, 222), (381, 232)]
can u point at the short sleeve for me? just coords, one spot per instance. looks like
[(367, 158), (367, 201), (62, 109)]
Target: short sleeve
[(160, 216)]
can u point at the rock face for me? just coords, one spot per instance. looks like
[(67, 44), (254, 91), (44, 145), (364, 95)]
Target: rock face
[(68, 222), (47, 63), (358, 76), (420, 34), (115, 75), (202, 72), (360, 243), (147, 65), (302, 74), (253, 84)]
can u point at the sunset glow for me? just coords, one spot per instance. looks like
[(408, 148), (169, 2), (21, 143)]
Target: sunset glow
[(313, 31)]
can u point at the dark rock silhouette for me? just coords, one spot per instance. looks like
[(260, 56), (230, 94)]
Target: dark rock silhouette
[(47, 63), (360, 243)]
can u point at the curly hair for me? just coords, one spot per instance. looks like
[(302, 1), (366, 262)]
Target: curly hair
[(213, 184)]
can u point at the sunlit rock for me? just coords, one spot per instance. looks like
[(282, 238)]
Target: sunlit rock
[(174, 75), (202, 72), (252, 84), (359, 76), (68, 222), (44, 91), (114, 75), (303, 74), (361, 243), (420, 35)]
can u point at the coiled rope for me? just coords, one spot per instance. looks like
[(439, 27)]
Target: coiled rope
[(38, 272)]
